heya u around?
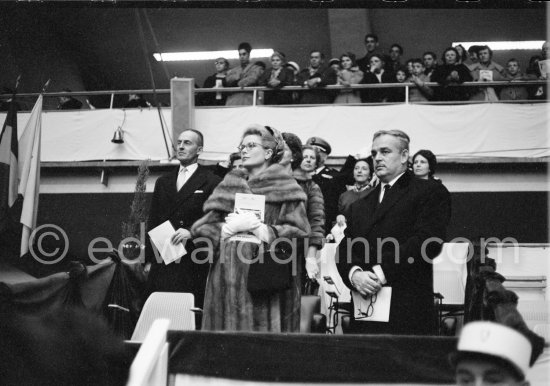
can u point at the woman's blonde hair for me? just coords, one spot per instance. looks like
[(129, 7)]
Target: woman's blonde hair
[(271, 139)]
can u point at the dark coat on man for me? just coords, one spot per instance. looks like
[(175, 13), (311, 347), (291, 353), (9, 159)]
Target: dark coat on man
[(332, 184), (210, 98), (182, 208), (276, 97), (317, 95), (376, 95), (412, 211)]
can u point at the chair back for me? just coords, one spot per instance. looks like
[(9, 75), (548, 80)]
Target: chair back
[(174, 306)]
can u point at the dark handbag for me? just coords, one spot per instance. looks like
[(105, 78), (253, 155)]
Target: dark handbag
[(311, 287), (267, 275)]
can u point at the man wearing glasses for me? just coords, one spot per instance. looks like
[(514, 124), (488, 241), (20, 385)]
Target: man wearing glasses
[(392, 235)]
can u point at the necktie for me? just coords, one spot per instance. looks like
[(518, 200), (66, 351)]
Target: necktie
[(386, 189), (181, 178)]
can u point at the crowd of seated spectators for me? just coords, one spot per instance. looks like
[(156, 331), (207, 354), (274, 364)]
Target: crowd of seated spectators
[(456, 66)]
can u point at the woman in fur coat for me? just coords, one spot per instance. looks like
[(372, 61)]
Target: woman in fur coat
[(228, 305)]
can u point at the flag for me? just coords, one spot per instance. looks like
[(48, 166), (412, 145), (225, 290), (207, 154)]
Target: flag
[(29, 172), (8, 165)]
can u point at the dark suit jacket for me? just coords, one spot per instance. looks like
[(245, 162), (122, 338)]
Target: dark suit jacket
[(377, 94), (412, 211), (332, 185), (182, 208)]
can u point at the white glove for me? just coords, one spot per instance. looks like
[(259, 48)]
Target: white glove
[(312, 267), (239, 223), (262, 232)]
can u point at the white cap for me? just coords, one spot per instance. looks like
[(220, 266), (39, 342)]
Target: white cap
[(496, 340), (293, 65)]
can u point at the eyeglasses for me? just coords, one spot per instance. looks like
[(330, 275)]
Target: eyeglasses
[(219, 63), (249, 146), (370, 308)]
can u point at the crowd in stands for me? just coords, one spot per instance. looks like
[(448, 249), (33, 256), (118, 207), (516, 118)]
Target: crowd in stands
[(456, 65)]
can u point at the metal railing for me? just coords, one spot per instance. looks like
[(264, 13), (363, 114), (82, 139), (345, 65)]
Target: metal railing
[(29, 98)]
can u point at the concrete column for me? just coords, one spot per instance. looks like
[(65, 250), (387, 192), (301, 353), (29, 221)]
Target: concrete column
[(183, 105), (347, 31)]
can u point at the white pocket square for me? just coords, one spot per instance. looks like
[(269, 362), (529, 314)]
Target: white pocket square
[(199, 191)]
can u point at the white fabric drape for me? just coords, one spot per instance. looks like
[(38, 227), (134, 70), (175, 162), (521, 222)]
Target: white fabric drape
[(477, 130)]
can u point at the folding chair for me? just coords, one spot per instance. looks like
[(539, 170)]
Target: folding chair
[(175, 306)]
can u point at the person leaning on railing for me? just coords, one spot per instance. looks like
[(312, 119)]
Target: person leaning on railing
[(449, 75), (277, 77)]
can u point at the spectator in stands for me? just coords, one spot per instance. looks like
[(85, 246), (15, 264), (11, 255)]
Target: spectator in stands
[(63, 348), (462, 53), (246, 74), (538, 92), (430, 63), (362, 174), (513, 73), (216, 80), (421, 92), (315, 208), (334, 63), (409, 66), (449, 75), (310, 159), (473, 55), (377, 74), (394, 62), (331, 182), (314, 78), (490, 353), (398, 94), (486, 70), (277, 77), (230, 304), (348, 75), (136, 100), (424, 164), (295, 68), (222, 168), (67, 102), (371, 45)]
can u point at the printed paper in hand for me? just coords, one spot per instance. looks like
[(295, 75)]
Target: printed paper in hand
[(245, 203), (379, 310), (544, 66), (160, 237), (486, 75)]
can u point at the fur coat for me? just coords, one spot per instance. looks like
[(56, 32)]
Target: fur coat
[(228, 305)]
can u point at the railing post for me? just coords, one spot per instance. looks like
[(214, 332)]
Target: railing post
[(254, 96), (407, 95), (112, 100)]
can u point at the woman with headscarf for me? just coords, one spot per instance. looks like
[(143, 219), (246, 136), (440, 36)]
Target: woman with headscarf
[(228, 304), (449, 75), (315, 208), (276, 78)]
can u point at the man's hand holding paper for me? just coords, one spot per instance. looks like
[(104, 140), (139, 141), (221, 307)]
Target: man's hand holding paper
[(366, 282), (180, 236)]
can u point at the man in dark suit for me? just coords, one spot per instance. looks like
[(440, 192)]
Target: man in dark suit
[(392, 236), (179, 197)]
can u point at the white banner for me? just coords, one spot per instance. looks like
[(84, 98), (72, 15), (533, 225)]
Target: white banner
[(476, 130)]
